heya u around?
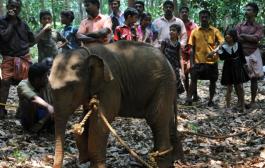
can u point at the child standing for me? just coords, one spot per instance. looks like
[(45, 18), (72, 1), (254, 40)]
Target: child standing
[(69, 31), (47, 38), (128, 30), (234, 72), (145, 34), (172, 50)]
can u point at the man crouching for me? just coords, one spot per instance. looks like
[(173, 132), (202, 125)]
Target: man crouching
[(35, 109)]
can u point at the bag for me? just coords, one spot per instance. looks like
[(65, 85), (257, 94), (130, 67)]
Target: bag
[(21, 68), (255, 65)]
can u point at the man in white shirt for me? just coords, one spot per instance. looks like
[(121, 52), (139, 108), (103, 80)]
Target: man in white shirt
[(163, 23)]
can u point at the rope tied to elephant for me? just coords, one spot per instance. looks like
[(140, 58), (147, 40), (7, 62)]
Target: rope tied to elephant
[(157, 153), (93, 105)]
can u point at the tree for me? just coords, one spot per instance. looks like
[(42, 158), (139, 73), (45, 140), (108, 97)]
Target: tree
[(67, 5), (131, 3), (42, 4), (1, 7)]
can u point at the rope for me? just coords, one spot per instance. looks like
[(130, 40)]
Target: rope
[(157, 153), (9, 105), (135, 155), (79, 128)]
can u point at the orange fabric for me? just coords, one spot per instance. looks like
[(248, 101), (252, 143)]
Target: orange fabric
[(96, 24), (15, 67)]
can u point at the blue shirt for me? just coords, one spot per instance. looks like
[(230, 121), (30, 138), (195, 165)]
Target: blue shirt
[(69, 33)]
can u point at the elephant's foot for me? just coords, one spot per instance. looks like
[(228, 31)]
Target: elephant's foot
[(98, 165), (83, 159), (178, 153), (164, 161)]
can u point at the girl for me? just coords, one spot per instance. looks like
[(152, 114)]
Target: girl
[(172, 50), (144, 31), (234, 71)]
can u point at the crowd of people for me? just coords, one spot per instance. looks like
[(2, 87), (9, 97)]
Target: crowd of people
[(192, 49)]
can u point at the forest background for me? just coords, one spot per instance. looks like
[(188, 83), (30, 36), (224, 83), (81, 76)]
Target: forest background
[(224, 12)]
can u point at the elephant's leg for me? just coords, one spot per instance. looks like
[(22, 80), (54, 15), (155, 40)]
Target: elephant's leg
[(162, 111), (97, 141), (98, 133), (176, 140), (161, 144), (82, 143)]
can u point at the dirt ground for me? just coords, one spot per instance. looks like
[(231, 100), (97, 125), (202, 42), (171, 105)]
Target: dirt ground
[(245, 148)]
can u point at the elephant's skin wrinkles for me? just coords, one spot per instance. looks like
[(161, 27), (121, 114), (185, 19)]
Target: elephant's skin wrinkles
[(131, 79), (134, 70)]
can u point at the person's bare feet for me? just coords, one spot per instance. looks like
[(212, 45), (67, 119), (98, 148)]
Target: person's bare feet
[(252, 105)]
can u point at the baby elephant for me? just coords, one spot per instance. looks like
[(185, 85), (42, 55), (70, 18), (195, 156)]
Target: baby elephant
[(130, 79)]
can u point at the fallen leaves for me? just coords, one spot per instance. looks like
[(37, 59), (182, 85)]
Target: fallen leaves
[(18, 149)]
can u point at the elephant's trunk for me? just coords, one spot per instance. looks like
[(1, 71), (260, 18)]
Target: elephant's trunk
[(60, 126)]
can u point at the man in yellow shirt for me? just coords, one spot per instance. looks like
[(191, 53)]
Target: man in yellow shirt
[(204, 41)]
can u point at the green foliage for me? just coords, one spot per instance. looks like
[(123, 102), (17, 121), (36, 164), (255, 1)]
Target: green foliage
[(193, 127), (224, 13), (19, 156)]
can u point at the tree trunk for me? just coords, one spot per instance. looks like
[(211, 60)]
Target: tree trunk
[(42, 4), (184, 3), (53, 14), (175, 13), (2, 8), (81, 15), (101, 5), (131, 3), (67, 5), (152, 4)]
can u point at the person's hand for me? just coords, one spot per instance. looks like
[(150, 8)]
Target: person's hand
[(211, 54), (50, 108), (11, 12), (246, 68), (186, 49), (182, 75), (47, 27)]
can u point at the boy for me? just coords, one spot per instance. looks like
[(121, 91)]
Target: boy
[(128, 30), (47, 38), (69, 31)]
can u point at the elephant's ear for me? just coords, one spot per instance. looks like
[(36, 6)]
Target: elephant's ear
[(99, 69)]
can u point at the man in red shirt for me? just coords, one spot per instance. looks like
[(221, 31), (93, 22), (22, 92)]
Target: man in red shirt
[(249, 35), (186, 51)]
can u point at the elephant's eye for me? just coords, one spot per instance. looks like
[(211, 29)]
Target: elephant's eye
[(76, 66)]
